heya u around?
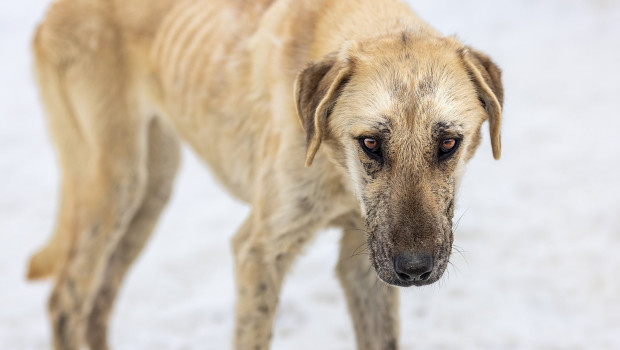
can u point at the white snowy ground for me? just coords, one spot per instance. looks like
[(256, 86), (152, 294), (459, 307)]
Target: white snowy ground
[(541, 230)]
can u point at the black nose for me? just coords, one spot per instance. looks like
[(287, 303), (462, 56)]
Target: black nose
[(415, 267)]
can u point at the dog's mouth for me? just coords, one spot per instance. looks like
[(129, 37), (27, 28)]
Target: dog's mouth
[(409, 269)]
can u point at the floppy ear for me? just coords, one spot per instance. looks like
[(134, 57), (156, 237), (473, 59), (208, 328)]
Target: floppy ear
[(316, 90), (487, 78)]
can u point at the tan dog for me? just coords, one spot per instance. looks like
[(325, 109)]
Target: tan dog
[(383, 111)]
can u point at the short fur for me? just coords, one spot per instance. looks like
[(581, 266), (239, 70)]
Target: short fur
[(257, 89)]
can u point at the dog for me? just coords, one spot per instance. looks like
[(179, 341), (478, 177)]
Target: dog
[(353, 114)]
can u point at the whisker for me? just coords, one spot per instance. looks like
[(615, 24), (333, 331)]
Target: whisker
[(455, 226), (456, 269), (355, 251), (461, 252)]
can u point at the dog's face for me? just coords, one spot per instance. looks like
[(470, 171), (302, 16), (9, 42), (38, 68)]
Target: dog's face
[(402, 116)]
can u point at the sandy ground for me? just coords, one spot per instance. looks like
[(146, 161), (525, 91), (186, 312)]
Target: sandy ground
[(540, 229)]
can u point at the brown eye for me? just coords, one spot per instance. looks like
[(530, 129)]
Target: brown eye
[(370, 143), (448, 144), (447, 148), (372, 147)]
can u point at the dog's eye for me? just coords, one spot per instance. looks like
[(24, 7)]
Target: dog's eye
[(447, 147), (372, 147), (370, 143), (448, 144)]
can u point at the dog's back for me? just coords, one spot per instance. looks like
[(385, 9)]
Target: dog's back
[(108, 75), (95, 58)]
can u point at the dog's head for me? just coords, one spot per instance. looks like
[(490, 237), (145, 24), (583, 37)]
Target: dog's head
[(402, 115)]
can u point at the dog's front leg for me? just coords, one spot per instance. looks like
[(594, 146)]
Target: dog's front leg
[(373, 305), (263, 255)]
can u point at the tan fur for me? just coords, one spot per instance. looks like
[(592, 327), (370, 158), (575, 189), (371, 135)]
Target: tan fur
[(258, 89)]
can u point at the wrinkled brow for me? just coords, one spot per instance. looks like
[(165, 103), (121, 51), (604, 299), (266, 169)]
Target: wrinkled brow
[(379, 127), (444, 128), (384, 126)]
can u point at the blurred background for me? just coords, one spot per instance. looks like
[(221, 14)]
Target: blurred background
[(539, 230)]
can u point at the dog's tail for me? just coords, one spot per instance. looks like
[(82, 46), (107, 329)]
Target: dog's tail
[(43, 263), (51, 54)]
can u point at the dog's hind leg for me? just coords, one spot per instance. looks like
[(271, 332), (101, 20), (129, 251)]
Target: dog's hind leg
[(163, 161), (107, 195), (101, 136), (373, 305)]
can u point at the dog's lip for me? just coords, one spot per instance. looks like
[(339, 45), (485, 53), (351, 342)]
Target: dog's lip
[(394, 281), (400, 283)]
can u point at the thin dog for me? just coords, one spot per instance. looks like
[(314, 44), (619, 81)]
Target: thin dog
[(346, 113)]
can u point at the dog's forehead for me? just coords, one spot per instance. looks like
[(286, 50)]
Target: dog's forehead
[(417, 85)]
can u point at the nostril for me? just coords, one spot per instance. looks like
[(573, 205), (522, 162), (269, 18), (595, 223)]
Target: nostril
[(403, 276), (416, 267), (425, 276)]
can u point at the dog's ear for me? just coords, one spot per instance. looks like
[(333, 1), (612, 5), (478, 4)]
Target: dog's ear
[(316, 90), (487, 78)]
